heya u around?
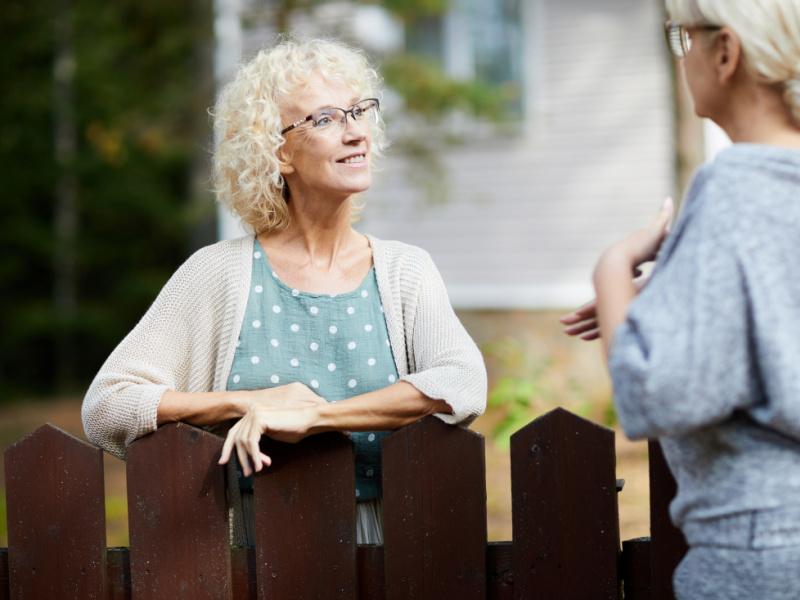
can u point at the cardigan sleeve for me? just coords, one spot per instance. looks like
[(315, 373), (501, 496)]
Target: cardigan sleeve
[(447, 364), (683, 358), (164, 351)]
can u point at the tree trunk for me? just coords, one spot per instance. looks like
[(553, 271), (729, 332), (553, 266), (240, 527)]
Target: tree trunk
[(65, 291), (202, 211)]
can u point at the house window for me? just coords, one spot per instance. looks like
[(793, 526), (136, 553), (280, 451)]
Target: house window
[(476, 39)]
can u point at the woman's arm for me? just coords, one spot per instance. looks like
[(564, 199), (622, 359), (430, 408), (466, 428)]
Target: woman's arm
[(201, 408), (175, 346), (209, 408), (391, 407), (613, 275), (445, 362)]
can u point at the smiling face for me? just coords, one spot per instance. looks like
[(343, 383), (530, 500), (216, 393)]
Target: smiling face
[(333, 161)]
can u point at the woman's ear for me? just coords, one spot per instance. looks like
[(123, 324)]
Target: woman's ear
[(285, 160), (727, 55)]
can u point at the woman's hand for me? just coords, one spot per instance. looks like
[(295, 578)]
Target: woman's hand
[(642, 245), (583, 320), (284, 396), (284, 413), (612, 278)]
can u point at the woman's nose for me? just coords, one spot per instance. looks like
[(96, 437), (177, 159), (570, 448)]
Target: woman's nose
[(353, 130)]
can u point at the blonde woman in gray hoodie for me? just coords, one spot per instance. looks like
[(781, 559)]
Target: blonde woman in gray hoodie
[(705, 357)]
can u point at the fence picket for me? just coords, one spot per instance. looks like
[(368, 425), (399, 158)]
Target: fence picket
[(564, 509), (118, 574), (667, 546), (635, 567), (371, 578), (5, 592), (499, 574), (305, 517), (434, 503), (56, 517), (178, 516), (243, 572)]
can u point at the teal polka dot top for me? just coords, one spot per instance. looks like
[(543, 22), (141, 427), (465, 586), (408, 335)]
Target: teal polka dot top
[(338, 345)]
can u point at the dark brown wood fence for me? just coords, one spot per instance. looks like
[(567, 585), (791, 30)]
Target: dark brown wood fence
[(565, 522)]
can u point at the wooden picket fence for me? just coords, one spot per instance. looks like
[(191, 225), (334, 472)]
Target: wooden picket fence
[(565, 521)]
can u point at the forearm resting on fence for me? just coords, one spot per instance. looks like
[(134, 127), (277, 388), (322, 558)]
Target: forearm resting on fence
[(200, 408), (391, 407)]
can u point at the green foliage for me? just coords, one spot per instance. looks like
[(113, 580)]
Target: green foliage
[(409, 10), (429, 92), (521, 392), (134, 86), (530, 384)]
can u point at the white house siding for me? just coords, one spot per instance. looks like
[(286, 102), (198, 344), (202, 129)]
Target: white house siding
[(527, 215)]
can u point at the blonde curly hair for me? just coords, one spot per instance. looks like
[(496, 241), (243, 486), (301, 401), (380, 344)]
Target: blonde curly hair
[(247, 123)]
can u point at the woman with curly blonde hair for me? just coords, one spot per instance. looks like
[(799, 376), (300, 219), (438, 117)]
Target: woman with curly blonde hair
[(306, 325)]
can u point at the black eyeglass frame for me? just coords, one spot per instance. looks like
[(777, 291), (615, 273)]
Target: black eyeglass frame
[(678, 39), (345, 112)]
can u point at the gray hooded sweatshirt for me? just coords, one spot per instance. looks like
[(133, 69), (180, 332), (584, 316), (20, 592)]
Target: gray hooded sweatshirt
[(708, 359)]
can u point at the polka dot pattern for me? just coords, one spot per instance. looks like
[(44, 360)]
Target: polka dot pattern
[(336, 344)]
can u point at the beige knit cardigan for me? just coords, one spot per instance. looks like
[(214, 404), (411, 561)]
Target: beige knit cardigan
[(187, 338)]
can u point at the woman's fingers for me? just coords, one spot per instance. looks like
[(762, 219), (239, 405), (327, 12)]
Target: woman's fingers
[(253, 438), (241, 452), (245, 437), (666, 214), (226, 451), (591, 335), (581, 327), (265, 460), (583, 312), (229, 441)]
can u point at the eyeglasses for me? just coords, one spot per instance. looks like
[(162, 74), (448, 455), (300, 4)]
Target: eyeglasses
[(327, 118), (679, 36)]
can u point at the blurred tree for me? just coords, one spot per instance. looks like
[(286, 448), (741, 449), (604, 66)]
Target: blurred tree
[(104, 141), (99, 130)]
